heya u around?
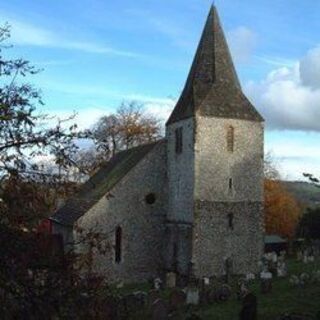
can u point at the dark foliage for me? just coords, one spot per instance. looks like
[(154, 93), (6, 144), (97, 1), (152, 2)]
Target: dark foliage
[(309, 226)]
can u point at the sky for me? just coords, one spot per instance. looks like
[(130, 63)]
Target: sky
[(97, 53)]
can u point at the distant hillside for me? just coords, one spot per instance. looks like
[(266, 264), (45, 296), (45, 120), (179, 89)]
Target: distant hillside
[(304, 192)]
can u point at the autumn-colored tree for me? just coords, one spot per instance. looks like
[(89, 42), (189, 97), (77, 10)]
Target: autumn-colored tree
[(129, 126), (282, 210)]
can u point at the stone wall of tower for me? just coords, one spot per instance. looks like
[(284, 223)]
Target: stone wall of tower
[(180, 168), (180, 172), (214, 239)]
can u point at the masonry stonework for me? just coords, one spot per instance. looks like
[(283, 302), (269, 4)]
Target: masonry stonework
[(207, 186), (142, 224)]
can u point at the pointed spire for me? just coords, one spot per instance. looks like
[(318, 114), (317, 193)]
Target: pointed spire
[(212, 74)]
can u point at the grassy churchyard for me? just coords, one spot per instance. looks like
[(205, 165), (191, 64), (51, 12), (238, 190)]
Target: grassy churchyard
[(285, 297)]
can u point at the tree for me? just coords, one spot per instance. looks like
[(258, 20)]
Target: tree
[(26, 135), (282, 211), (128, 127), (309, 226)]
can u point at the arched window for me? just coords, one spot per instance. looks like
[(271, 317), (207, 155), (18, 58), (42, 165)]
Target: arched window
[(230, 221), (118, 246), (179, 139), (230, 139)]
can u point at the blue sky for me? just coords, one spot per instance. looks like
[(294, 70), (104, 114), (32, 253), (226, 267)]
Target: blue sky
[(97, 53)]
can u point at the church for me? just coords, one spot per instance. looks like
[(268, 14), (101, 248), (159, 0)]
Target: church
[(191, 203)]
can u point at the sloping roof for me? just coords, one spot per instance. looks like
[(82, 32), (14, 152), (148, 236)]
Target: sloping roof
[(212, 87), (100, 183), (274, 238)]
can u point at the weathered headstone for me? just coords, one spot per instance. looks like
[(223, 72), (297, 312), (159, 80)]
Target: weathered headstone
[(157, 283), (193, 296), (282, 269), (206, 281), (159, 310), (171, 279), (266, 282), (250, 276)]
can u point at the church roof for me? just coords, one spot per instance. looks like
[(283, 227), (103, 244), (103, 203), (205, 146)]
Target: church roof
[(100, 183), (212, 87)]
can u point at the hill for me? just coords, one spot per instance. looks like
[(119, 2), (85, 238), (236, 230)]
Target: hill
[(304, 192)]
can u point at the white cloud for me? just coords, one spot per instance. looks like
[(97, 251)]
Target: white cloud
[(289, 97), (242, 43), (159, 107), (23, 33), (310, 69)]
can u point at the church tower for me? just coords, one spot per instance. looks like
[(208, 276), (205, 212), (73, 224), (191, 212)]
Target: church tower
[(215, 168)]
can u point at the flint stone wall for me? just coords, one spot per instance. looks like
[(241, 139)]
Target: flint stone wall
[(214, 241), (143, 225)]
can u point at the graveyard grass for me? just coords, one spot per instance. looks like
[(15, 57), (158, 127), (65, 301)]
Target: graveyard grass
[(284, 298)]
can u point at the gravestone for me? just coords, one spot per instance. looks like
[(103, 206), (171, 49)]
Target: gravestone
[(193, 296), (282, 269), (157, 283), (299, 255), (250, 277), (171, 279), (311, 258), (159, 310), (266, 281)]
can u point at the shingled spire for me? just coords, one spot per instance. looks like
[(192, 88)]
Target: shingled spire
[(212, 87)]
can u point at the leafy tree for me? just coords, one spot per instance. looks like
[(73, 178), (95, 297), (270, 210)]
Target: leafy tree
[(26, 135), (282, 211)]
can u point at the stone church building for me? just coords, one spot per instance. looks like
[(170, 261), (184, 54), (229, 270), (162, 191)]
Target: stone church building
[(191, 203)]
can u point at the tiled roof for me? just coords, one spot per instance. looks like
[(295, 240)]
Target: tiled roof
[(212, 87), (100, 183)]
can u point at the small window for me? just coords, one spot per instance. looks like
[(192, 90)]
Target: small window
[(179, 140), (230, 221), (230, 139), (118, 246), (230, 184), (150, 198)]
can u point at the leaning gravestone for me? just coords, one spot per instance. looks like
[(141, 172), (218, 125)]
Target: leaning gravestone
[(160, 310)]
